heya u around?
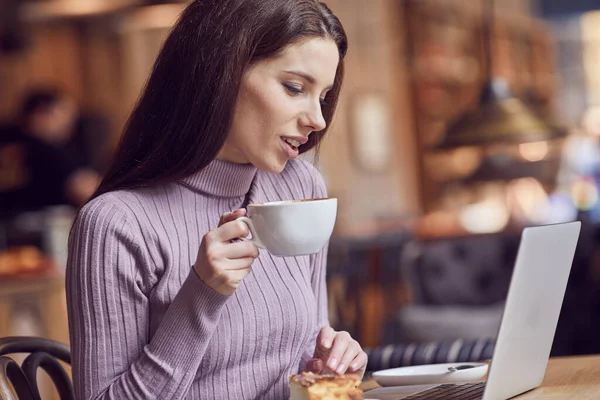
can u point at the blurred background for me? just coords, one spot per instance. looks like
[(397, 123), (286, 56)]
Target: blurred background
[(460, 123)]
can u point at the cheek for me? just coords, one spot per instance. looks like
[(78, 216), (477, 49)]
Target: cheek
[(280, 117), (270, 110)]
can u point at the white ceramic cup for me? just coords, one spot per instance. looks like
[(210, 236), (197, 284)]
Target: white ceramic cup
[(291, 228)]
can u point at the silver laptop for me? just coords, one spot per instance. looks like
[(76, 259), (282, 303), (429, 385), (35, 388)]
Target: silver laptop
[(529, 321)]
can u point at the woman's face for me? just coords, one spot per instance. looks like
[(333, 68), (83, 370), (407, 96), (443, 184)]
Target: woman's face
[(279, 105)]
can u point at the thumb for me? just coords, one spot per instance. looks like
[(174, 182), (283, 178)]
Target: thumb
[(314, 365)]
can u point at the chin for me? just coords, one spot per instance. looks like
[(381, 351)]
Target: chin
[(272, 166)]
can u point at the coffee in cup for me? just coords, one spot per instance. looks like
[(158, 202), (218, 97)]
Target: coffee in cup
[(292, 227)]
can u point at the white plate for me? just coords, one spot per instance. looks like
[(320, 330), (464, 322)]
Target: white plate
[(433, 373)]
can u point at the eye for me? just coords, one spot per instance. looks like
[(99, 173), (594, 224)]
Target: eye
[(293, 89), (323, 98)]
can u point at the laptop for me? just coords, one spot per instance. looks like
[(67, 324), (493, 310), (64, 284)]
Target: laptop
[(529, 321)]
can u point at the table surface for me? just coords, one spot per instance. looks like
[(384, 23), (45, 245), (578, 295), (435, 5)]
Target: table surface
[(569, 378), (566, 378)]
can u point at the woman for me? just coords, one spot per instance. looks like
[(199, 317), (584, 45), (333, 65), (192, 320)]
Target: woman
[(164, 303)]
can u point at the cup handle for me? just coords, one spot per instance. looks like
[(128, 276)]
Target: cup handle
[(255, 239)]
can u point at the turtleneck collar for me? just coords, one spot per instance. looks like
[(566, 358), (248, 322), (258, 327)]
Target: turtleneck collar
[(223, 179)]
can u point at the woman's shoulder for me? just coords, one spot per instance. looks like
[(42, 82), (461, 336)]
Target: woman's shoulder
[(299, 180), (115, 208), (120, 202)]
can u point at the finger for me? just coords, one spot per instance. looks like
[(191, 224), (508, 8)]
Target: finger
[(232, 215), (340, 344), (349, 355), (239, 274), (359, 363), (242, 249), (231, 230), (325, 338), (238, 264), (314, 365)]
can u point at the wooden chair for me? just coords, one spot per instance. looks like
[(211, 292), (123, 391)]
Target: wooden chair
[(20, 382)]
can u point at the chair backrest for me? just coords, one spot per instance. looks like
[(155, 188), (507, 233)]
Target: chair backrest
[(19, 382), (470, 271)]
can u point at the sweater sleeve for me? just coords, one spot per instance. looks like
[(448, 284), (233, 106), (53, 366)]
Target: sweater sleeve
[(318, 263), (109, 276)]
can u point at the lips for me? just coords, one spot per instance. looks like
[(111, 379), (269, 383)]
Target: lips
[(290, 150)]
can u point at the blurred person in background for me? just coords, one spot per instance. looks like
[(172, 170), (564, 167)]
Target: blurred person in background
[(164, 301), (41, 165)]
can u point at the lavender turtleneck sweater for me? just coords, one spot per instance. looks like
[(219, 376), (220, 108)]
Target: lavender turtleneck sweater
[(144, 326)]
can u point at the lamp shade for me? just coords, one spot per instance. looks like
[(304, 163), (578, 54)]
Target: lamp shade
[(500, 117), (501, 167)]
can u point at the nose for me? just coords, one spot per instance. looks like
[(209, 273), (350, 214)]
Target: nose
[(313, 118)]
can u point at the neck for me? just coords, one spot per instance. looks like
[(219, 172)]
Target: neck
[(223, 178)]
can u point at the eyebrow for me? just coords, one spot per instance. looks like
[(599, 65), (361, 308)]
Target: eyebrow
[(308, 78)]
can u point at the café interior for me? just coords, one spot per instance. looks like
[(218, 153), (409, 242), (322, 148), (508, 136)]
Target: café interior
[(461, 122)]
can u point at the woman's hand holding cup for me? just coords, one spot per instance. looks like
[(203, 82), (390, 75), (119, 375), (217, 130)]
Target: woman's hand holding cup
[(221, 263)]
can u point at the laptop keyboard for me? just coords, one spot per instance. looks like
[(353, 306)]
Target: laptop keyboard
[(450, 391)]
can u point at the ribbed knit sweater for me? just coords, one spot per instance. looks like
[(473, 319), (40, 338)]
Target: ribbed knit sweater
[(144, 326)]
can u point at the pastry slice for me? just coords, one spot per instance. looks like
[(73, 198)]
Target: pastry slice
[(309, 386)]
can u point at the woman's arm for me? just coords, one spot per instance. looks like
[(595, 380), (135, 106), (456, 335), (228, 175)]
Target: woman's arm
[(330, 351), (319, 286), (318, 263), (109, 275)]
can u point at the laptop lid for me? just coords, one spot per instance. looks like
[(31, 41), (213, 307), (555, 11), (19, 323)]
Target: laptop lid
[(532, 309)]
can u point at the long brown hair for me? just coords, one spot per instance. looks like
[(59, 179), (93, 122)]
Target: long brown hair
[(184, 114)]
